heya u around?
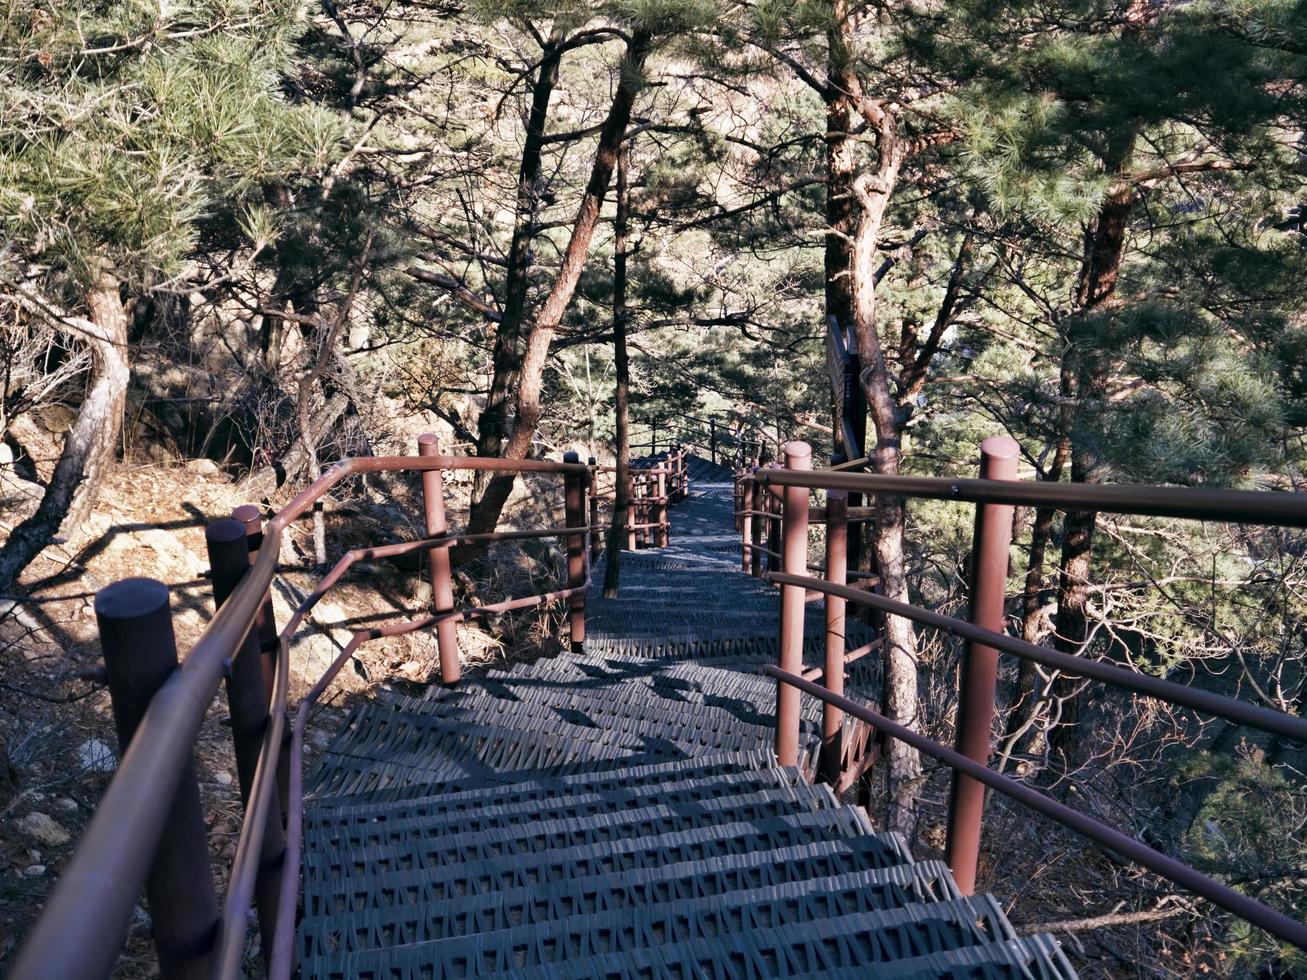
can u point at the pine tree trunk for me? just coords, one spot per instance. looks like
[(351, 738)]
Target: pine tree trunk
[(91, 443), (506, 357), (1021, 735), (841, 207), (622, 370), (485, 516), (1085, 378), (889, 530)]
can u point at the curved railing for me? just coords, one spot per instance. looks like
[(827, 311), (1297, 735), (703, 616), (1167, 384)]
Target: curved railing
[(148, 824), (780, 498)]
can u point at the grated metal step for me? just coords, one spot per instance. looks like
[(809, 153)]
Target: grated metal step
[(623, 834), (666, 909), (719, 769), (325, 890), (800, 870), (510, 830), (711, 943)]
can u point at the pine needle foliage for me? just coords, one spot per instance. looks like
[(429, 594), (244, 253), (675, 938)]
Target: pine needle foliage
[(126, 125)]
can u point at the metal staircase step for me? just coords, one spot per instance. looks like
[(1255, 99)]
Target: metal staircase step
[(400, 915), (725, 770), (323, 887), (524, 736), (701, 870), (662, 919), (689, 717), (431, 818), (715, 941), (468, 756), (511, 828), (381, 848)]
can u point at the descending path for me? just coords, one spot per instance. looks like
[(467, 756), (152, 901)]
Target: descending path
[(619, 813)]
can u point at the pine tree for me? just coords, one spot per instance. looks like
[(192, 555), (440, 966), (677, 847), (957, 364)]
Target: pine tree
[(129, 132)]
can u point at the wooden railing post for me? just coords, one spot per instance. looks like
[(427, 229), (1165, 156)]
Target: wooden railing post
[(990, 554), (140, 652), (837, 544), (798, 456), (574, 507), (247, 701), (442, 579)]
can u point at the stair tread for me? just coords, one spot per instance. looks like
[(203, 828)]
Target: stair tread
[(799, 899), (876, 939), (588, 860)]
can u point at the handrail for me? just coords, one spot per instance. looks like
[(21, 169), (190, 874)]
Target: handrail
[(1273, 921), (1231, 709), (995, 495), (1260, 507), (81, 929)]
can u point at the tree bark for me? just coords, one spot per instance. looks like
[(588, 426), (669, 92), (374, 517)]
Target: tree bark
[(1085, 378), (841, 208), (622, 370), (485, 514), (873, 191), (506, 358), (92, 441), (1026, 697)]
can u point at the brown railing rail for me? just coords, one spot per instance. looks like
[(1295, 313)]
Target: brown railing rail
[(779, 498), (148, 823)]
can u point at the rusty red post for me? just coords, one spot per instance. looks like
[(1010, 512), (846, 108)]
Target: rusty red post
[(265, 627), (756, 496), (574, 505), (140, 652), (442, 581), (798, 456), (990, 554), (592, 492), (775, 529), (745, 524), (837, 546), (642, 495), (662, 489), (632, 511), (247, 702)]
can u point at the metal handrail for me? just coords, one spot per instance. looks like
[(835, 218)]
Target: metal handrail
[(1231, 709), (81, 929), (1260, 507), (995, 496), (1273, 921)]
